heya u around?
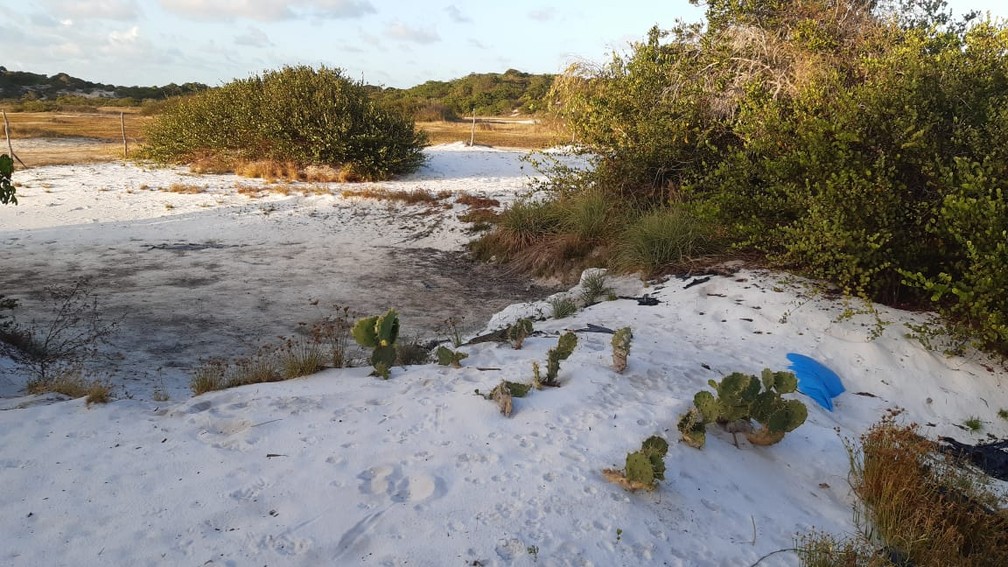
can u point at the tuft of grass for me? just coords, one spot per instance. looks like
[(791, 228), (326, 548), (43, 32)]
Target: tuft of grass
[(925, 507), (300, 357), (666, 237), (819, 549), (973, 424), (562, 307), (185, 189), (409, 353), (72, 384), (412, 197), (522, 225), (594, 288), (208, 377), (480, 216), (477, 201), (1003, 414)]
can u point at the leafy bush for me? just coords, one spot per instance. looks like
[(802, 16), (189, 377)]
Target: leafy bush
[(300, 114), (863, 143), (7, 190), (740, 398), (68, 342), (379, 333)]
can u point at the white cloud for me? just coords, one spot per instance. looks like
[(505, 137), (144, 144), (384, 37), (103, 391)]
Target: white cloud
[(399, 30), (124, 10), (543, 15), (456, 15), (253, 37), (267, 10), (126, 37)]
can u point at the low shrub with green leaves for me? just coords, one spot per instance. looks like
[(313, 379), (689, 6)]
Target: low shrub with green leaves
[(7, 190), (739, 399), (296, 114), (379, 333)]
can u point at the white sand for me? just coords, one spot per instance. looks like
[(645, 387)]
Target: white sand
[(344, 469)]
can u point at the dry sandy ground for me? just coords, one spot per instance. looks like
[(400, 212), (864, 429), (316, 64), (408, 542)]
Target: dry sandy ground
[(218, 273)]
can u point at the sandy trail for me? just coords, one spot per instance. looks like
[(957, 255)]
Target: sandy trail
[(218, 274)]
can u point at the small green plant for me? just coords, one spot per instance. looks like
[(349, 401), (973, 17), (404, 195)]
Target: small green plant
[(300, 357), (619, 534), (7, 190), (333, 332), (1003, 414), (519, 331), (565, 346), (449, 357), (644, 468), (621, 348), (973, 424), (741, 398), (379, 333), (451, 326), (563, 306), (594, 288)]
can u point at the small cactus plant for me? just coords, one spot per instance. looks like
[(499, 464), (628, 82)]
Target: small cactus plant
[(644, 468), (742, 398), (504, 393), (565, 346), (449, 357), (517, 332), (621, 348), (379, 333)]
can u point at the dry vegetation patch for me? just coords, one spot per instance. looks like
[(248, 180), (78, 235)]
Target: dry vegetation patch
[(412, 197), (494, 132)]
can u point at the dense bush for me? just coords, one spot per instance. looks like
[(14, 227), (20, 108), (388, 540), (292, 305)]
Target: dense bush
[(299, 114), (861, 142)]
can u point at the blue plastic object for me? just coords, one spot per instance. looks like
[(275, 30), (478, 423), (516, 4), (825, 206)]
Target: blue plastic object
[(815, 380)]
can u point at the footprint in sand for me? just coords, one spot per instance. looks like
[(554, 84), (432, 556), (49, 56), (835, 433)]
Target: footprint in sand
[(388, 480)]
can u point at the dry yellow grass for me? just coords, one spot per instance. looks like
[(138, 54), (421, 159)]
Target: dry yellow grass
[(500, 132), (185, 188), (102, 141), (414, 197)]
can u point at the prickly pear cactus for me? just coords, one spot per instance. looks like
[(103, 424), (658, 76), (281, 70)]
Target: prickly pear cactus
[(621, 348), (517, 332), (644, 468), (565, 346), (379, 333), (693, 428), (449, 357), (742, 398)]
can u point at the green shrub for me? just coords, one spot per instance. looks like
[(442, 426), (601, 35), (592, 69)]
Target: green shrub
[(299, 114), (562, 307), (666, 236), (7, 190)]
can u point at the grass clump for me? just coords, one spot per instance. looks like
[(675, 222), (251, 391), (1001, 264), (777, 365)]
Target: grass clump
[(562, 307), (973, 424), (666, 237), (594, 288), (74, 385), (294, 117), (918, 507)]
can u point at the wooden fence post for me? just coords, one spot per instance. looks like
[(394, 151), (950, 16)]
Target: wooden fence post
[(472, 133), (122, 125), (10, 148)]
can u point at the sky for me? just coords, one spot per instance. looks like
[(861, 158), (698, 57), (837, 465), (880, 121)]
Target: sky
[(397, 43)]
